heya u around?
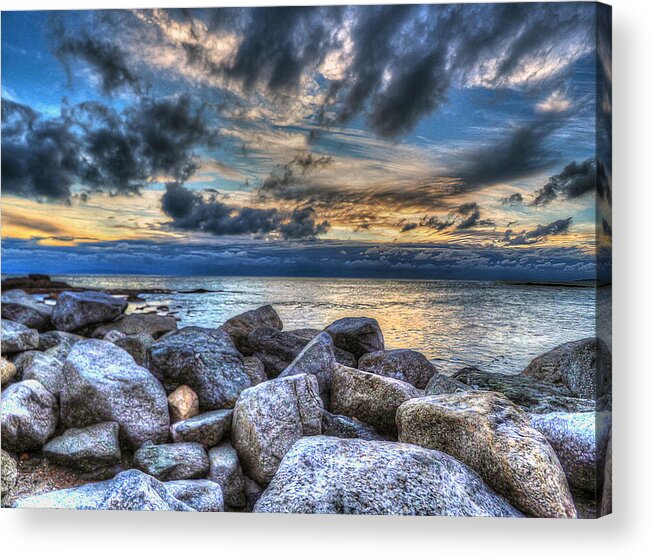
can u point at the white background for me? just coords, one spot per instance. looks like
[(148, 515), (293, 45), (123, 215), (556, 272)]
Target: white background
[(26, 533)]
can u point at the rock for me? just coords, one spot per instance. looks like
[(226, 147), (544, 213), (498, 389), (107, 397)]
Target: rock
[(606, 501), (51, 339), (167, 462), (103, 383), (270, 417), (129, 490), (8, 474), (7, 371), (491, 435), (135, 324), (533, 396), (204, 359), (340, 426), (306, 332), (75, 310), (226, 471), (572, 435), (401, 364), (255, 370), (333, 475), (137, 345), (202, 495), (208, 429), (88, 449), (42, 367), (29, 416), (253, 492), (440, 384), (17, 338), (240, 327), (368, 397), (317, 359), (113, 335), (20, 307), (183, 403), (356, 335), (583, 366)]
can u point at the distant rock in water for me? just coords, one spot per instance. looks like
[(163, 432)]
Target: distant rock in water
[(36, 283)]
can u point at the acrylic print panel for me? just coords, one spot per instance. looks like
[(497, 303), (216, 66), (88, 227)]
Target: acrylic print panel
[(350, 259)]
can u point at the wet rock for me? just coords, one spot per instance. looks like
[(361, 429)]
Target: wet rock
[(129, 490), (340, 426), (402, 364), (20, 307), (7, 371), (88, 449), (270, 417), (42, 367), (356, 335), (491, 435), (255, 370), (137, 345), (240, 327), (30, 415), (168, 462), (136, 324), (201, 495), (8, 474), (17, 338), (183, 403), (332, 475), (103, 383), (584, 367), (208, 429), (368, 397), (204, 359), (226, 471), (440, 384), (75, 310)]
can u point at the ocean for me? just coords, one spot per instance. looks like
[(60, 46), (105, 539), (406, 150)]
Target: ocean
[(497, 327)]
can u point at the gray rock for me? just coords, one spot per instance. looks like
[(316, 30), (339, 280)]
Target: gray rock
[(42, 367), (340, 426), (270, 417), (491, 435), (135, 324), (20, 307), (103, 383), (168, 462), (129, 490), (17, 338), (88, 449), (370, 398), (441, 384), (356, 335), (51, 339), (240, 327), (402, 364), (253, 492), (204, 359), (606, 500), (306, 332), (137, 345), (29, 416), (226, 471), (584, 367), (532, 395), (113, 335), (208, 429), (255, 370), (8, 474), (202, 495), (75, 310), (333, 475)]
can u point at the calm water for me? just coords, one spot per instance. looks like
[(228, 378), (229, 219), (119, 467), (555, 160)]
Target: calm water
[(494, 326)]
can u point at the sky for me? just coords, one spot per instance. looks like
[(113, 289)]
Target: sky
[(441, 141)]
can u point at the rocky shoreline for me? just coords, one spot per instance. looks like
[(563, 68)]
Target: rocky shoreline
[(107, 410)]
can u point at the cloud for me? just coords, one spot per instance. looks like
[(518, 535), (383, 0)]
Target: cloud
[(574, 181), (466, 216), (513, 199), (471, 213), (555, 102), (540, 233)]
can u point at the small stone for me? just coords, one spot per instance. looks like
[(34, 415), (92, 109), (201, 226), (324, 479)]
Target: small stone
[(226, 471), (75, 310), (240, 327), (356, 335), (17, 338), (402, 364), (184, 404), (7, 370), (172, 461), (208, 429), (87, 449)]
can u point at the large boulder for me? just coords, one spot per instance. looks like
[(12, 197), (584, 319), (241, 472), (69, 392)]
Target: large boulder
[(75, 310), (270, 417), (20, 307), (368, 397), (129, 490), (7, 371), (153, 325), (535, 396), (42, 367), (356, 335), (169, 462), (17, 338), (240, 327), (441, 384), (340, 426), (402, 364), (584, 367), (137, 345), (205, 360), (9, 472), (208, 429), (225, 470), (202, 495), (490, 434), (30, 414), (103, 383), (333, 475), (88, 449)]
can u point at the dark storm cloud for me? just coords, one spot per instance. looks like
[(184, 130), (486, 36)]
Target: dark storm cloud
[(470, 212), (575, 180), (466, 216), (538, 234), (303, 224), (513, 199), (287, 181), (408, 227)]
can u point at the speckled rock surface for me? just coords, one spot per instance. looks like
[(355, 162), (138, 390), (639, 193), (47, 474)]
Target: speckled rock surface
[(8, 474), (240, 327), (402, 364), (87, 448), (356, 335), (134, 324), (7, 371), (255, 370), (137, 345), (225, 470), (441, 384), (75, 310), (202, 495), (16, 338), (42, 367), (208, 429), (168, 462), (25, 309), (340, 426)]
